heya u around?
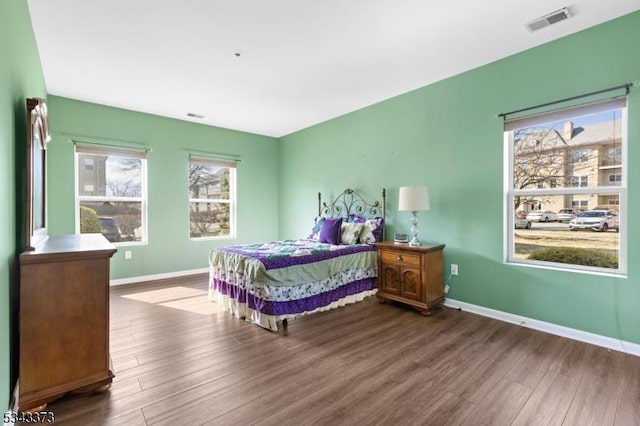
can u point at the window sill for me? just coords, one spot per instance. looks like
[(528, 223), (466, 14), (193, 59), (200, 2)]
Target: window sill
[(230, 237), (617, 273), (129, 243)]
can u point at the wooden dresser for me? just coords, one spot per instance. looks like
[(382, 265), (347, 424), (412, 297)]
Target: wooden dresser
[(411, 275), (64, 318)]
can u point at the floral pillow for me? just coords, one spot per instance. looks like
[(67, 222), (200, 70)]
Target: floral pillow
[(371, 229), (315, 231), (350, 232)]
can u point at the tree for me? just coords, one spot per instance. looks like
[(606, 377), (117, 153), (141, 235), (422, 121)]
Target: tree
[(125, 182), (540, 158), (89, 222)]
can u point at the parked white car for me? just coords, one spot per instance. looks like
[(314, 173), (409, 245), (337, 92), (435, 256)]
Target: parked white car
[(597, 220), (541, 216), (565, 215), (521, 223)]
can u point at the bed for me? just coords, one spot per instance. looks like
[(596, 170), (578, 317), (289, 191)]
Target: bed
[(273, 282)]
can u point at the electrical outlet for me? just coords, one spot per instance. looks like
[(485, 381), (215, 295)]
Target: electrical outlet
[(446, 289), (127, 255), (454, 269)]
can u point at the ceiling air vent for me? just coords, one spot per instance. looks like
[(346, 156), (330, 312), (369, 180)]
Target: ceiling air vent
[(193, 115), (551, 18)]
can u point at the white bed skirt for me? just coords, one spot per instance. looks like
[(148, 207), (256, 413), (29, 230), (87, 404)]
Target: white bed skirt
[(241, 310)]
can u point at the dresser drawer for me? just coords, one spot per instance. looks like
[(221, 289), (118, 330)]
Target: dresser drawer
[(400, 258)]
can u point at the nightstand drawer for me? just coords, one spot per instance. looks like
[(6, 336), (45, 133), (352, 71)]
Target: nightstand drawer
[(400, 258)]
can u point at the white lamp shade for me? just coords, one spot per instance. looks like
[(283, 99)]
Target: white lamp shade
[(413, 198)]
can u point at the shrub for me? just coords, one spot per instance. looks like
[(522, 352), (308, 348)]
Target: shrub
[(577, 256), (89, 222)]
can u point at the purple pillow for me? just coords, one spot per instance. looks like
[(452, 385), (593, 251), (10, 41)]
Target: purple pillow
[(330, 232)]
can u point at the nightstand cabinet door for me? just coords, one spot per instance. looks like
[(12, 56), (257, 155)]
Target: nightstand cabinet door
[(389, 278), (411, 284), (411, 275)]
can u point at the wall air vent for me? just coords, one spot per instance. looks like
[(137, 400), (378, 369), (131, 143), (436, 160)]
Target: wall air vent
[(550, 19)]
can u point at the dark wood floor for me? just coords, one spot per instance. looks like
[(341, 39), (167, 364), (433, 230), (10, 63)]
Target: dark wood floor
[(179, 360)]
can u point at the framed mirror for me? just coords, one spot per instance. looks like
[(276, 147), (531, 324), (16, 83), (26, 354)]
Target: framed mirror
[(37, 138)]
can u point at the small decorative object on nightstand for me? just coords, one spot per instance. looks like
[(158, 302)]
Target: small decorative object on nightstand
[(411, 275)]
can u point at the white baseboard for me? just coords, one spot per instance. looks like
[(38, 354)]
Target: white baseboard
[(547, 327), (132, 280)]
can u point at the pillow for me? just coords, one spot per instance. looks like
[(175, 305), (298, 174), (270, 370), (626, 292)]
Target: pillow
[(371, 229), (349, 233), (330, 232)]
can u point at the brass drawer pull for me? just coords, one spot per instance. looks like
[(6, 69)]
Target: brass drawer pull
[(399, 258)]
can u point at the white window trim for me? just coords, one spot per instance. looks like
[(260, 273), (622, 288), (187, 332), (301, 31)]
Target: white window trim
[(579, 204), (232, 165), (579, 179), (144, 200), (510, 194)]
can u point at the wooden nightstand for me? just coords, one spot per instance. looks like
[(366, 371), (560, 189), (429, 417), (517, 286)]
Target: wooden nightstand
[(411, 275)]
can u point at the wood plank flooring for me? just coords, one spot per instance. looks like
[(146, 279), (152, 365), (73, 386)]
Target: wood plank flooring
[(180, 360)]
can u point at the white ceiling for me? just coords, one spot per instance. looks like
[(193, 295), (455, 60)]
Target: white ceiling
[(301, 62)]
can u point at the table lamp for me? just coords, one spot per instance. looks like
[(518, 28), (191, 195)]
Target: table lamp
[(414, 199)]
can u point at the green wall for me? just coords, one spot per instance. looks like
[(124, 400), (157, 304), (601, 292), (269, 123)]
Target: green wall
[(447, 136), (20, 78), (169, 248)]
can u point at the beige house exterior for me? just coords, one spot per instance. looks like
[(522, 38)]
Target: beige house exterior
[(586, 156)]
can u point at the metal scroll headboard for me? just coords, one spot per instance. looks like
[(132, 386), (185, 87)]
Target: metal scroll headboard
[(351, 202)]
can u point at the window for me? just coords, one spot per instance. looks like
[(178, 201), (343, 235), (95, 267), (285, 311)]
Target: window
[(111, 193), (211, 198), (580, 205), (579, 156), (613, 157), (595, 240), (615, 152), (579, 181)]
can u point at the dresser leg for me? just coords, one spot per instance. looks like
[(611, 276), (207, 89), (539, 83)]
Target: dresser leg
[(99, 387), (102, 389)]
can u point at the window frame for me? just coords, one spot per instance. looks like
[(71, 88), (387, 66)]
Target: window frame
[(576, 181), (100, 149), (603, 188), (232, 165), (579, 206), (617, 177), (579, 155)]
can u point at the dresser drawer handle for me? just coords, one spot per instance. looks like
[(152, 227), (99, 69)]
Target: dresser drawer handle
[(399, 258)]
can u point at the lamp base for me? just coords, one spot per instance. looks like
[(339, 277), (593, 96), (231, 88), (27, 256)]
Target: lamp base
[(414, 229)]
